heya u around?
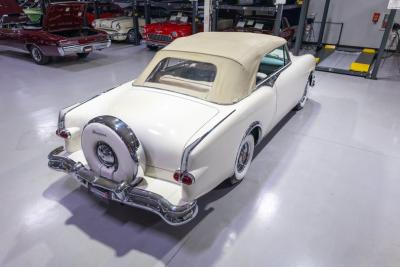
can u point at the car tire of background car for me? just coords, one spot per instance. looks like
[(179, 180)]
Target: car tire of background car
[(82, 55), (304, 98), (152, 47), (243, 159), (131, 36), (112, 150), (38, 56)]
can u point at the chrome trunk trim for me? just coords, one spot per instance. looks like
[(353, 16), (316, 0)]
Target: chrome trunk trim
[(64, 111), (74, 49), (123, 192)]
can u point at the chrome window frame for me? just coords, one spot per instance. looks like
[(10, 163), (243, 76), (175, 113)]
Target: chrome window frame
[(270, 80)]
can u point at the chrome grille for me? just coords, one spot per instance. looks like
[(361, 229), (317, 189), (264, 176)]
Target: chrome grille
[(160, 37)]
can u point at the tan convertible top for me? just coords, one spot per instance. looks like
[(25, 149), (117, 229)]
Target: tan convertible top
[(242, 47), (236, 55)]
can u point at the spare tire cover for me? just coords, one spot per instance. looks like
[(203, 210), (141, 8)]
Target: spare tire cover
[(112, 150)]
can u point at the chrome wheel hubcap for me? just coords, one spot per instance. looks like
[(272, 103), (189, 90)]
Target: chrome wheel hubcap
[(106, 155), (36, 54), (243, 158), (131, 36)]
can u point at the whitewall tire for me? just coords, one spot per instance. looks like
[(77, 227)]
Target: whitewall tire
[(243, 159), (310, 83)]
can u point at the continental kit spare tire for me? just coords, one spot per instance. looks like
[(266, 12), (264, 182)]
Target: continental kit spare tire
[(112, 150)]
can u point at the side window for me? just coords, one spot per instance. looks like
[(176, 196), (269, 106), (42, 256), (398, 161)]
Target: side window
[(271, 63)]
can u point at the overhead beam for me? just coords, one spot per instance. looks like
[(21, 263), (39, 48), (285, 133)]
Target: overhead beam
[(269, 9)]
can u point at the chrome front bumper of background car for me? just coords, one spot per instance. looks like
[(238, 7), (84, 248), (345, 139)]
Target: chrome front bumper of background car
[(116, 36), (156, 44), (123, 193), (74, 49)]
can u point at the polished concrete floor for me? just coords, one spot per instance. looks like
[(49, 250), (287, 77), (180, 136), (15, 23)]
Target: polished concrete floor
[(323, 190)]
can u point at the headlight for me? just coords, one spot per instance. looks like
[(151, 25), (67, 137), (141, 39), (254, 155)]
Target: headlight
[(174, 34), (94, 24)]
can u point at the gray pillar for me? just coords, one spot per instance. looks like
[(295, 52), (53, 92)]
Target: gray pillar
[(43, 6), (323, 24), (207, 15), (215, 16), (194, 16), (300, 28), (135, 22), (96, 9), (147, 15), (382, 48), (278, 20)]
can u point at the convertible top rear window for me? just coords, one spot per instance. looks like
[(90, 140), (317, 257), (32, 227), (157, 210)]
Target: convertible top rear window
[(190, 77)]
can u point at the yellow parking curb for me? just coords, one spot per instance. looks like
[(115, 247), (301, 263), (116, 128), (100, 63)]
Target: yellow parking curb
[(359, 67), (369, 51), (330, 46)]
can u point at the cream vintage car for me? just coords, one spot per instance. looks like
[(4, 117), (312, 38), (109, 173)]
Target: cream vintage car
[(187, 123), (121, 28)]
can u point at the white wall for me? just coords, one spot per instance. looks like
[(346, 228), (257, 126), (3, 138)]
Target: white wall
[(358, 30)]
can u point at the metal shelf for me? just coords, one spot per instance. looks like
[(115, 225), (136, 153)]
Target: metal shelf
[(271, 9)]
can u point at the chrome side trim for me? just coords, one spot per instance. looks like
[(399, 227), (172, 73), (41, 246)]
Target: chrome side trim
[(121, 192), (189, 148), (311, 79), (272, 78), (64, 111)]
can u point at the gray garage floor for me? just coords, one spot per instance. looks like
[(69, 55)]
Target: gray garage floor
[(324, 189)]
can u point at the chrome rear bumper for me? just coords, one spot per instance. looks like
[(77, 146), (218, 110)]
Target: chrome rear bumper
[(123, 193), (74, 49)]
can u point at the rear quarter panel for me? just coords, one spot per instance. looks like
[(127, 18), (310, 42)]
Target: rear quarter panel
[(213, 160), (46, 42)]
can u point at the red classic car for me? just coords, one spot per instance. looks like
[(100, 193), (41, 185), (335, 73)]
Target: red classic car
[(62, 31), (264, 25), (162, 33), (179, 24), (104, 11)]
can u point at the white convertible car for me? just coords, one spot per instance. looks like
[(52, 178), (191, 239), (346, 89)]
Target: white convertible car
[(188, 122), (121, 28)]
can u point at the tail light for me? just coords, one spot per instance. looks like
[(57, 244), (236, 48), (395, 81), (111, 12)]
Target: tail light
[(184, 177), (63, 134)]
